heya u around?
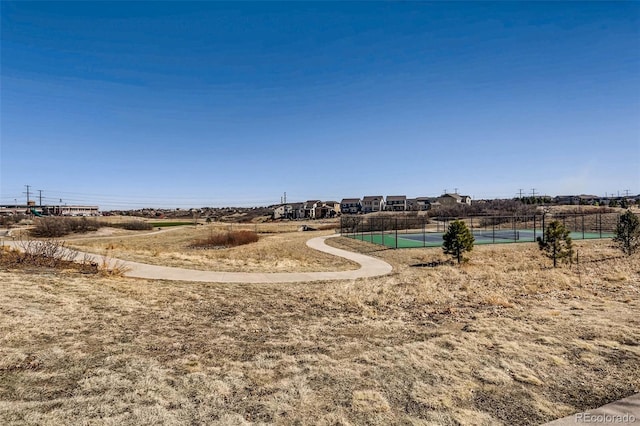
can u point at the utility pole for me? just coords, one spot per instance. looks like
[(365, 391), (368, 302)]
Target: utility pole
[(533, 192), (626, 192), (445, 191), (455, 190), (285, 197), (40, 191), (520, 192), (28, 199)]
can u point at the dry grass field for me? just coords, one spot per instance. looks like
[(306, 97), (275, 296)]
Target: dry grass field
[(503, 339), (274, 252)]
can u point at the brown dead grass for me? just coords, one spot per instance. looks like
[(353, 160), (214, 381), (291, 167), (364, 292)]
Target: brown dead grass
[(277, 252), (225, 239), (502, 340)]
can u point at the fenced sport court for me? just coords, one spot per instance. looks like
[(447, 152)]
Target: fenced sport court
[(421, 231)]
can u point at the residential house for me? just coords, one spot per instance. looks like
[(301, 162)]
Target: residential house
[(424, 203), (452, 199), (396, 203), (372, 203), (566, 199), (309, 209), (326, 209), (576, 199), (350, 205), (334, 206), (288, 211)]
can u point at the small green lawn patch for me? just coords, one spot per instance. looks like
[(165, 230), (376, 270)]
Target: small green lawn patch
[(168, 224)]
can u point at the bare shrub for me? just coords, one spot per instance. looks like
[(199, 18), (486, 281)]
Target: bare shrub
[(48, 253), (109, 267), (226, 239), (52, 253), (50, 227), (9, 221), (55, 227)]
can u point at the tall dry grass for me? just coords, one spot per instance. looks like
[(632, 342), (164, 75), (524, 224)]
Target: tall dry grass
[(504, 340), (226, 239)]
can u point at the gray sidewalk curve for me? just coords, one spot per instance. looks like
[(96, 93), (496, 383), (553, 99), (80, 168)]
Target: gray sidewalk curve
[(369, 267), (623, 412)]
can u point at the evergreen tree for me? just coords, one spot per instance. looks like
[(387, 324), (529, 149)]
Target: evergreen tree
[(627, 235), (556, 242), (457, 240)]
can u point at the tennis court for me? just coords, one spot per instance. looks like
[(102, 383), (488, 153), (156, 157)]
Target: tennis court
[(402, 239)]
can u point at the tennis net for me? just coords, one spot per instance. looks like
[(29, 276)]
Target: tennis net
[(502, 234)]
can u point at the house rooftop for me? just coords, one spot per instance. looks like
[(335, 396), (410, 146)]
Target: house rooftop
[(456, 196)]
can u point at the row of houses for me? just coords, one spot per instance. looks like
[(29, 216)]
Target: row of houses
[(316, 209), (311, 209), (399, 203)]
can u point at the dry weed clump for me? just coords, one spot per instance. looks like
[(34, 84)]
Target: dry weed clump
[(47, 253), (54, 254), (226, 239)]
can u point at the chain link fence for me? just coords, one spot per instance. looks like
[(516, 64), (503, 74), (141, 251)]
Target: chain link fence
[(403, 231)]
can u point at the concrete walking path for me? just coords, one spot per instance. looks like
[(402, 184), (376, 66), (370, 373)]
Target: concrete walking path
[(623, 412), (369, 267)]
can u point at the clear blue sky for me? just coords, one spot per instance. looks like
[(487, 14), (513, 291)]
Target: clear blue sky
[(215, 104)]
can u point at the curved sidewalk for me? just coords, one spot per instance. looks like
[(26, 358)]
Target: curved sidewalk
[(623, 412), (369, 267)]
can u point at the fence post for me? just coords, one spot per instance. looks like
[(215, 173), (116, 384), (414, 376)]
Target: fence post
[(600, 225), (396, 232), (582, 226), (534, 227), (424, 235), (493, 234)]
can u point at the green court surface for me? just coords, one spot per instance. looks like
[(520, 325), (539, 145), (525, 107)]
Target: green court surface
[(434, 239)]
